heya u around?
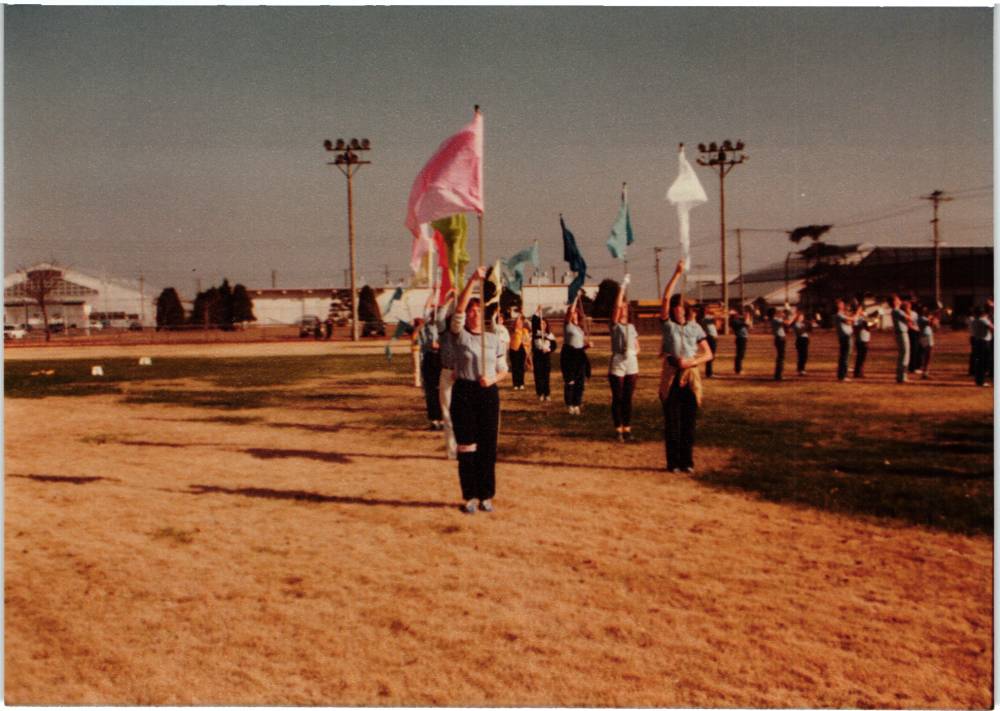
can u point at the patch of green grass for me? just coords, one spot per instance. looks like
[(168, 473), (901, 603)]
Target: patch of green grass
[(211, 399), (73, 378)]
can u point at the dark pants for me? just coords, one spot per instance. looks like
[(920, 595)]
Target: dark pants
[(679, 412), (802, 353), (741, 351), (573, 363), (779, 357), (475, 415), (980, 358), (542, 366), (916, 355), (972, 356), (517, 360), (713, 343), (925, 358), (843, 355), (859, 359), (622, 388), (430, 373)]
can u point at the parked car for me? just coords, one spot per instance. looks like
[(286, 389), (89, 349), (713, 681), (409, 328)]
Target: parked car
[(12, 332), (373, 328), (135, 326), (57, 327), (308, 326)]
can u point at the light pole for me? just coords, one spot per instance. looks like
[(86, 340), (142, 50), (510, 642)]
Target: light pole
[(349, 163), (723, 157), (937, 197)]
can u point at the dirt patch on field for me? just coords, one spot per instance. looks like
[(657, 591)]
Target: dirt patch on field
[(162, 553)]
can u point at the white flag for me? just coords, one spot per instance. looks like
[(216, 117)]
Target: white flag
[(686, 193)]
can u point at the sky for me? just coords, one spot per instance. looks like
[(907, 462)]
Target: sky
[(185, 143)]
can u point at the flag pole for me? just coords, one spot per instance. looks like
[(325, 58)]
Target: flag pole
[(482, 297), (624, 257), (687, 267)]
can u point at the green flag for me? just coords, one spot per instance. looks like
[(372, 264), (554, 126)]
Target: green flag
[(455, 231)]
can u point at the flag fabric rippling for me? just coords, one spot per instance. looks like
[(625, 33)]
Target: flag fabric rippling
[(686, 193), (575, 260)]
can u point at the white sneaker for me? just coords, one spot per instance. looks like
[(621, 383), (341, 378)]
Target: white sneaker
[(469, 507), (486, 505)]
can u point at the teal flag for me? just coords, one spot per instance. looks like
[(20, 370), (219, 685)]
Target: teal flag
[(401, 328), (516, 265), (621, 231), (571, 253)]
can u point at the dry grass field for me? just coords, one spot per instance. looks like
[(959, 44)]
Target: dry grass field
[(274, 525)]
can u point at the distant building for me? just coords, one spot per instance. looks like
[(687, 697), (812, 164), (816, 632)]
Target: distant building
[(78, 300), (813, 277)]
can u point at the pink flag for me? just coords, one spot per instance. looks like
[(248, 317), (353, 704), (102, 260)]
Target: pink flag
[(422, 243), (451, 181)]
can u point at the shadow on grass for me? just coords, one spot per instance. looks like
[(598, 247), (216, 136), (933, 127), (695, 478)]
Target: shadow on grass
[(312, 497), (329, 457), (55, 479), (211, 399), (918, 479)]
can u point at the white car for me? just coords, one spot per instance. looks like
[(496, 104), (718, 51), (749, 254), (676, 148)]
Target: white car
[(12, 332)]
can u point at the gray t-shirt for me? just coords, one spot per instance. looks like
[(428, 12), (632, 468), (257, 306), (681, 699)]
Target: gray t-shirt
[(467, 351), (845, 325), (801, 329), (899, 321), (681, 341), (624, 350), (574, 336), (981, 329), (777, 327)]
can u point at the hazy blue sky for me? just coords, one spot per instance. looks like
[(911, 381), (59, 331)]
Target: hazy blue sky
[(186, 142)]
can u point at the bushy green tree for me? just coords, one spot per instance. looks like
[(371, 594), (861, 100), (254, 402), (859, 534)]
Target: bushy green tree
[(169, 312), (242, 305)]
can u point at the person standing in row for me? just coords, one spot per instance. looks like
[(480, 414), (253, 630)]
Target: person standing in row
[(573, 358), (779, 322), (741, 329), (712, 334), (495, 319), (982, 338), (862, 337), (542, 345), (843, 321), (802, 328), (446, 351), (415, 350), (914, 336), (926, 322), (520, 342), (684, 347), (475, 402), (430, 370), (901, 327), (623, 368)]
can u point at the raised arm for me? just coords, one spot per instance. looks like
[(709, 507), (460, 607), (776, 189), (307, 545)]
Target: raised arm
[(458, 320), (621, 298), (669, 290)]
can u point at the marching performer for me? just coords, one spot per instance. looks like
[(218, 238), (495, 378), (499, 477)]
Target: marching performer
[(623, 368), (475, 399), (683, 349), (573, 358), (542, 345)]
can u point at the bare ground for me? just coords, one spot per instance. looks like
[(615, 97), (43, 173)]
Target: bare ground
[(162, 554)]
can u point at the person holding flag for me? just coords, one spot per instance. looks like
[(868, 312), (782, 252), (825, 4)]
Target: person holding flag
[(623, 368), (684, 348), (542, 344), (430, 363), (573, 357), (475, 399)]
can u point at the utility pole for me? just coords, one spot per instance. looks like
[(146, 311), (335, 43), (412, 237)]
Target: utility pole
[(937, 197), (274, 278), (349, 163), (723, 157), (659, 287), (387, 275), (142, 299)]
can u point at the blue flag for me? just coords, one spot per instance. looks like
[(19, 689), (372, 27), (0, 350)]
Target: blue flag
[(621, 231), (575, 260), (516, 265)]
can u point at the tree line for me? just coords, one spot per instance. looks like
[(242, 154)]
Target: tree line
[(218, 307)]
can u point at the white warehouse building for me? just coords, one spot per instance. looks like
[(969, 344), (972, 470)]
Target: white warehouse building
[(78, 299)]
